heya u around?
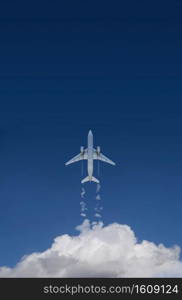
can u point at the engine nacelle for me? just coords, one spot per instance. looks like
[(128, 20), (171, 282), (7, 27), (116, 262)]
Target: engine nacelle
[(98, 149), (82, 149)]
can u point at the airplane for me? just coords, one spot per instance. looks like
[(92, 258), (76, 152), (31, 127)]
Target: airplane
[(90, 154)]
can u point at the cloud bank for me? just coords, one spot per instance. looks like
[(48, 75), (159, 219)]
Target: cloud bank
[(100, 251)]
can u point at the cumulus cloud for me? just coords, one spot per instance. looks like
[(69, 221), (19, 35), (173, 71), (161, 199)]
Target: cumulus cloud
[(100, 251)]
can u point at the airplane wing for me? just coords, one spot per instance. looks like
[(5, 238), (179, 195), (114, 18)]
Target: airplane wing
[(76, 158), (102, 157)]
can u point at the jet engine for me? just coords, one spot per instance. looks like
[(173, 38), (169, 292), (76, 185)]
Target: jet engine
[(82, 149), (98, 149)]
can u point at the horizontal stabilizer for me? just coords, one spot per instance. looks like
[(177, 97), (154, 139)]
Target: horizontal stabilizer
[(86, 179), (95, 179)]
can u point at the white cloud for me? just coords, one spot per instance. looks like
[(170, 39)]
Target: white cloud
[(100, 251)]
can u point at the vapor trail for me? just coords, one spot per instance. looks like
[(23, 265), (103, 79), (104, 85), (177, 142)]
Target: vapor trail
[(98, 208), (83, 207), (98, 187), (83, 192)]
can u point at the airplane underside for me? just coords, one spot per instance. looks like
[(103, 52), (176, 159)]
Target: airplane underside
[(90, 154)]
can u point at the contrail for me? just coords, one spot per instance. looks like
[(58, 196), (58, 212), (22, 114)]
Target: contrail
[(83, 192), (98, 208), (83, 207), (98, 197), (83, 215), (98, 188), (98, 215)]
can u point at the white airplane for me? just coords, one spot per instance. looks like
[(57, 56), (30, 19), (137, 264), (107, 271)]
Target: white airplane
[(90, 154)]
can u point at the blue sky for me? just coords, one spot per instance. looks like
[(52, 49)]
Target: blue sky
[(66, 68)]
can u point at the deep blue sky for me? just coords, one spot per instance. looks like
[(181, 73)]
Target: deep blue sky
[(111, 66)]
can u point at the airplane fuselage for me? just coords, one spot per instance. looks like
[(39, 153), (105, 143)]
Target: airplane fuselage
[(90, 155)]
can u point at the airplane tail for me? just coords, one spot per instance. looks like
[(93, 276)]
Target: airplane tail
[(86, 179)]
